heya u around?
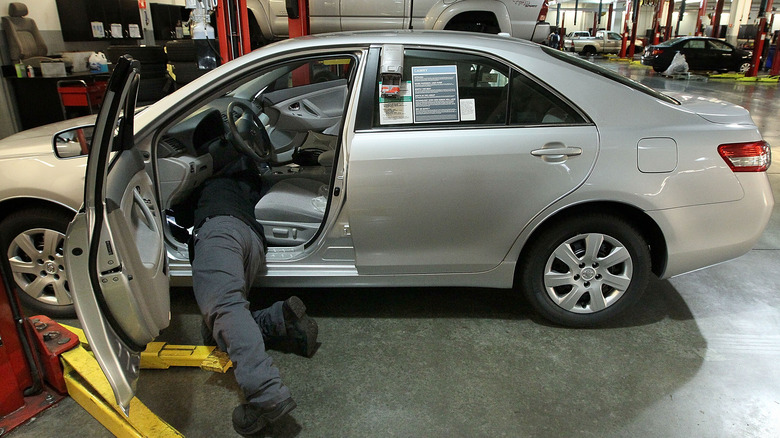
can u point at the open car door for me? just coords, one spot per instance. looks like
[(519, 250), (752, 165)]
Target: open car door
[(115, 252)]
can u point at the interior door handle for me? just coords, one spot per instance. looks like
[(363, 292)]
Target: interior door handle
[(556, 153)]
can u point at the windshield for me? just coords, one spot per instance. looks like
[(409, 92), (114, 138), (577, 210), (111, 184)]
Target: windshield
[(609, 74)]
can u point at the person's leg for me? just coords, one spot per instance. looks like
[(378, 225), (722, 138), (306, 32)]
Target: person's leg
[(226, 252)]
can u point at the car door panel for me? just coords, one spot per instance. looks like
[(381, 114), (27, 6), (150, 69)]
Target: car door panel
[(117, 260), (309, 107), (441, 201)]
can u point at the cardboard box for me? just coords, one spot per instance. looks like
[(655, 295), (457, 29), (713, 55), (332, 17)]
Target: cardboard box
[(80, 60), (52, 69)]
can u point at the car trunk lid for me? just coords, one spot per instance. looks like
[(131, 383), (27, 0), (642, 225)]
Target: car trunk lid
[(714, 110)]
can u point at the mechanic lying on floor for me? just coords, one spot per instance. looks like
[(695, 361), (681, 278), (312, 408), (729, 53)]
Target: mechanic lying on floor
[(227, 252)]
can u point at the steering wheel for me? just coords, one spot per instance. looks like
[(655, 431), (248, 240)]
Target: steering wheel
[(248, 133)]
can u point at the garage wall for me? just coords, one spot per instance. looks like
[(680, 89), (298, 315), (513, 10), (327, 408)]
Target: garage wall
[(44, 12)]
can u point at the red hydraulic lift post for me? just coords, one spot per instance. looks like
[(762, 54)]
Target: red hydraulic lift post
[(635, 22), (609, 16), (625, 31), (298, 18), (698, 31), (232, 29), (716, 19), (758, 46), (659, 10), (669, 12), (24, 392), (776, 60)]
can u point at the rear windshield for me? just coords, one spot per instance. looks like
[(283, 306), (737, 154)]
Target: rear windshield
[(609, 74), (668, 43)]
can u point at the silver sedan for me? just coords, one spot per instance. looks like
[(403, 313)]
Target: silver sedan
[(422, 159)]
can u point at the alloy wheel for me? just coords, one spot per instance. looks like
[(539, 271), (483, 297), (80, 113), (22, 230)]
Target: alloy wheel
[(37, 265), (588, 273)]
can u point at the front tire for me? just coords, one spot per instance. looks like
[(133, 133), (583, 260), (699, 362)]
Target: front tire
[(32, 241), (582, 272)]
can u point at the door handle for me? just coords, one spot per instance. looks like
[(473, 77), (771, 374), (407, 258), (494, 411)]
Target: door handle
[(556, 153)]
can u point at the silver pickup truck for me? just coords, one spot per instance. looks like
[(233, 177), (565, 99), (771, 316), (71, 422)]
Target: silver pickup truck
[(603, 42), (524, 19)]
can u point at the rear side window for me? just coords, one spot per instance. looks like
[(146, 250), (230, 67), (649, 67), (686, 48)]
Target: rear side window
[(609, 74), (532, 104)]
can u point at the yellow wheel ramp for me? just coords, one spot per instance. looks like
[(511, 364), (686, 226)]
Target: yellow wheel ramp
[(88, 386)]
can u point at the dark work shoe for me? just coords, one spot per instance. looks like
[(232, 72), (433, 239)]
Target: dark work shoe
[(251, 418), (301, 329), (205, 333)]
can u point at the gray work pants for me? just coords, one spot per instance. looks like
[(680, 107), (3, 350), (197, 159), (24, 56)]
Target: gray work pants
[(228, 255)]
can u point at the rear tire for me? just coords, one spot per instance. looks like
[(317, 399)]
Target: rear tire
[(32, 242), (584, 271)]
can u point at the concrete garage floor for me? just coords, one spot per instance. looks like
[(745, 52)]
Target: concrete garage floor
[(696, 357)]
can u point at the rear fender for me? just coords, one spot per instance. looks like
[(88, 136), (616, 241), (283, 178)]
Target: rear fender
[(262, 17), (444, 10)]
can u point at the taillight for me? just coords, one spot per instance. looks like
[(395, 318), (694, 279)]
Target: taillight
[(543, 12), (753, 156)]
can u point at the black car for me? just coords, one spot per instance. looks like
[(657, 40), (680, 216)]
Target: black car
[(701, 53)]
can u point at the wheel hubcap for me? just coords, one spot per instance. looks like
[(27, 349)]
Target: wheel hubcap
[(38, 266), (588, 273)]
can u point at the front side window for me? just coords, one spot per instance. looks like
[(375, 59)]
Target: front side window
[(719, 46), (445, 88), (694, 44)]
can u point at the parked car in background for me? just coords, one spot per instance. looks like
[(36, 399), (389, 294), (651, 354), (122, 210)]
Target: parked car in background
[(701, 53), (604, 42), (525, 19), (578, 34)]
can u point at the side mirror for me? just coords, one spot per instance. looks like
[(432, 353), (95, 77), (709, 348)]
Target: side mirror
[(73, 142)]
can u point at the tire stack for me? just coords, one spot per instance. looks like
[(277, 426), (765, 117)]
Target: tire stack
[(183, 58), (154, 74)]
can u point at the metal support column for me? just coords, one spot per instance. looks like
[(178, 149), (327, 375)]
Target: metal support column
[(659, 12), (716, 19), (298, 18), (758, 46), (233, 29), (634, 23), (699, 30), (624, 34), (669, 12)]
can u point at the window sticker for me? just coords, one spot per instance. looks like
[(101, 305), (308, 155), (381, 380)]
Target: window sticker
[(468, 110), (396, 110), (435, 94)]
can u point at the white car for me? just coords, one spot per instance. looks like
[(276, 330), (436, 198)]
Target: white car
[(429, 159), (516, 178)]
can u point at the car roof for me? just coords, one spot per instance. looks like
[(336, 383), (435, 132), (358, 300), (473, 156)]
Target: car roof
[(486, 43)]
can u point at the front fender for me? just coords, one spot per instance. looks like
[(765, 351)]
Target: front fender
[(445, 10)]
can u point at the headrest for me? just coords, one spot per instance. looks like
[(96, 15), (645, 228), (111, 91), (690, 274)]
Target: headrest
[(17, 9)]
